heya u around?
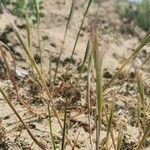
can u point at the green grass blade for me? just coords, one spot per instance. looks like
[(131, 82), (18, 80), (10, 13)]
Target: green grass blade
[(28, 31), (50, 127), (88, 97), (146, 133), (110, 120), (86, 57), (64, 39), (119, 139), (140, 87), (142, 97), (64, 128), (50, 68), (86, 11), (98, 62), (38, 31)]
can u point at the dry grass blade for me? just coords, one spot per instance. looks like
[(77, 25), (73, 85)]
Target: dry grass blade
[(146, 133), (11, 53), (145, 41), (12, 79), (27, 51), (64, 39), (19, 117)]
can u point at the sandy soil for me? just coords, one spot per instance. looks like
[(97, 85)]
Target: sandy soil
[(120, 36)]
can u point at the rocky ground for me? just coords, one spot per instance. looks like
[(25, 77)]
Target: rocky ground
[(120, 35)]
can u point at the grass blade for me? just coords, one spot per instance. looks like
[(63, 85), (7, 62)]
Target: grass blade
[(63, 42), (145, 41), (64, 128), (50, 127), (119, 139), (98, 62), (19, 117), (142, 97), (146, 133), (86, 57), (14, 83), (86, 11), (38, 31), (109, 122), (89, 100), (43, 82)]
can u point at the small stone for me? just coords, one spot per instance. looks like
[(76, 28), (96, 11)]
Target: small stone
[(53, 44), (107, 74), (6, 117), (37, 58)]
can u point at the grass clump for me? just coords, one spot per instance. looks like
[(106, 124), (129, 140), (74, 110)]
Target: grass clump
[(138, 12), (20, 8)]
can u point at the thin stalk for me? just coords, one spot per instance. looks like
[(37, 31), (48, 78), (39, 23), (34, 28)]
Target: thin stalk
[(43, 81), (99, 104), (86, 57), (50, 68), (119, 139), (28, 31), (142, 96), (73, 51), (64, 38), (21, 120), (145, 41), (29, 40), (14, 83), (146, 133), (38, 31), (89, 101), (50, 128), (109, 127), (98, 55), (64, 128)]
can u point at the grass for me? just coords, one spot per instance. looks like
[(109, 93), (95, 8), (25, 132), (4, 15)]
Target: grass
[(98, 60), (94, 54), (138, 12)]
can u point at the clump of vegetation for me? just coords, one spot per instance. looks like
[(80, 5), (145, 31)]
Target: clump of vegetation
[(139, 12), (21, 8)]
